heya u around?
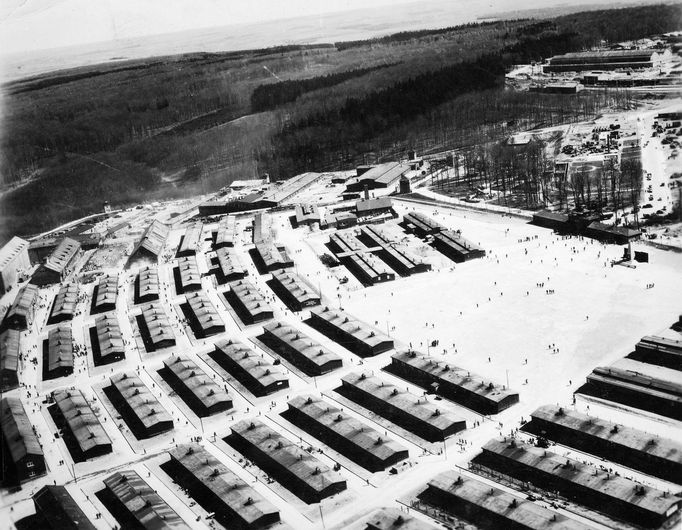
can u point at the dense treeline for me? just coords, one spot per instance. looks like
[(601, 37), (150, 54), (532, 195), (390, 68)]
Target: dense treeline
[(272, 95), (404, 36)]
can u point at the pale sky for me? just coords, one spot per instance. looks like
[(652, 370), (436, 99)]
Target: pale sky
[(38, 24)]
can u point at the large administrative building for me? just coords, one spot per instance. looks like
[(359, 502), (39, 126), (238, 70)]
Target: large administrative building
[(13, 260), (602, 60), (59, 264)]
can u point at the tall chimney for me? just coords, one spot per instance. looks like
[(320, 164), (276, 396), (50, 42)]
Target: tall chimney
[(366, 189)]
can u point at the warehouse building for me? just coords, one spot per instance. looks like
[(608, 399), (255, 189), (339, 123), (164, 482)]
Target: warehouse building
[(228, 267), (307, 214), (339, 219), (581, 483), (106, 340), (553, 220), (61, 262), (64, 305), (186, 274), (23, 455), (299, 349), (218, 490), (640, 385), (247, 203), (106, 294), (190, 242), (383, 176), (352, 334), (260, 377), (293, 290), (367, 207), (269, 257), (147, 285), (602, 60), (354, 439), (225, 235), (489, 507), (22, 311), (295, 469), (140, 409), (453, 383), (420, 225), (455, 247), (13, 260), (248, 303), (358, 259), (618, 235), (411, 412), (59, 353), (150, 246), (401, 262), (202, 315), (286, 191), (56, 509), (83, 434), (659, 350), (136, 505), (155, 328), (195, 387), (630, 447), (10, 351)]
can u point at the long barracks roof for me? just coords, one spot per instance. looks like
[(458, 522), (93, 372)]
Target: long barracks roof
[(65, 301), (226, 232), (62, 255), (229, 263), (349, 325), (454, 375), (144, 404), (148, 282), (23, 302), (457, 242), (241, 498), (297, 461), (395, 519), (262, 371), (518, 511), (107, 290), (302, 343), (154, 238), (359, 255), (369, 205), (109, 335), (10, 345), (617, 435), (272, 255), (158, 323), (290, 187), (603, 56), (652, 377), (378, 239), (356, 432), (583, 475), (297, 287), (17, 430), (189, 271), (196, 381), (143, 503), (254, 302), (416, 406), (423, 222), (13, 247), (204, 310), (191, 239), (80, 419), (59, 508), (59, 348)]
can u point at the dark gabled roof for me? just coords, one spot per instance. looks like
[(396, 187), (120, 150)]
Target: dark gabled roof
[(59, 348), (302, 343), (23, 302), (154, 238), (10, 343), (60, 510), (107, 290), (17, 430), (348, 324), (144, 404), (66, 300), (368, 205), (196, 381), (80, 419), (62, 255), (158, 323), (142, 502), (204, 310), (109, 335), (264, 372), (254, 302)]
